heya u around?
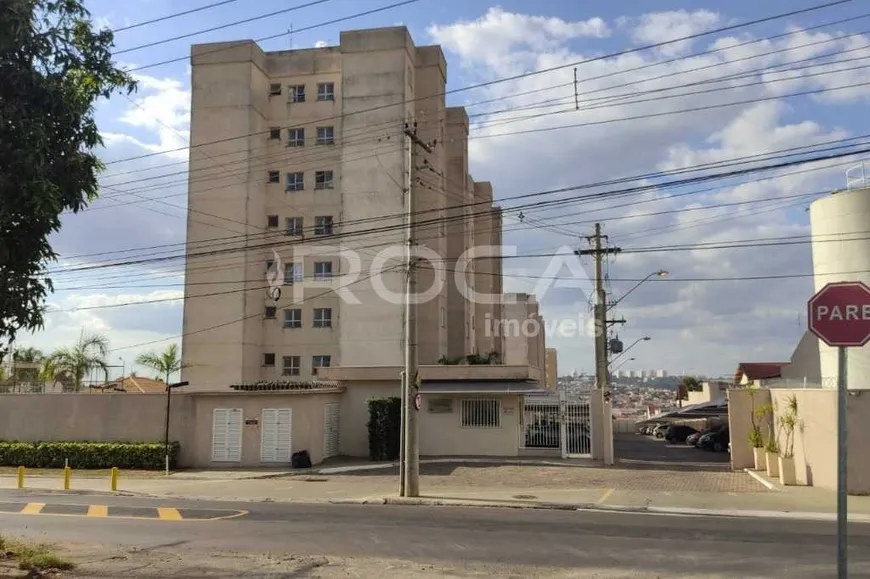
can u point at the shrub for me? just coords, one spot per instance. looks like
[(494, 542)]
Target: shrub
[(385, 416), (130, 455)]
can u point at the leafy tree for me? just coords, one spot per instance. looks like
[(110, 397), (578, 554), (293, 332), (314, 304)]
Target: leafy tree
[(28, 355), (54, 67), (165, 364), (70, 365), (691, 383)]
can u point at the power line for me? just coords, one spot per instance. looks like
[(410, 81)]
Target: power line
[(485, 83), (221, 27), (369, 231), (173, 15)]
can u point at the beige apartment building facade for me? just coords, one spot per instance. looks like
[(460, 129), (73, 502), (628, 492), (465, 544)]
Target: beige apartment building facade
[(298, 175)]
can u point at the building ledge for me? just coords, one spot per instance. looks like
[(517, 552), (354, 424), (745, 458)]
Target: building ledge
[(434, 373)]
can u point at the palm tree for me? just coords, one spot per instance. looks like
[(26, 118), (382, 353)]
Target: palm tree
[(71, 365), (28, 355), (165, 364)]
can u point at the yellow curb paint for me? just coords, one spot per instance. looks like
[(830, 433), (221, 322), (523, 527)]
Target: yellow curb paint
[(168, 514), (32, 508), (605, 496), (98, 511)]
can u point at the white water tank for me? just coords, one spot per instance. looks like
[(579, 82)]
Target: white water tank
[(840, 226)]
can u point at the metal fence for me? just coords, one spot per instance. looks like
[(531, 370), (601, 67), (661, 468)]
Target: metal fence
[(563, 423)]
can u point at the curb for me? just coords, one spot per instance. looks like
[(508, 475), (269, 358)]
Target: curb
[(81, 492), (590, 507), (769, 485)]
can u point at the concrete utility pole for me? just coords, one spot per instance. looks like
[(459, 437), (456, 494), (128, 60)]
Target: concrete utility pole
[(410, 447), (598, 252)]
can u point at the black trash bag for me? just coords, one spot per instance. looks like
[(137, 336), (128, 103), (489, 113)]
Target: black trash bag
[(300, 459)]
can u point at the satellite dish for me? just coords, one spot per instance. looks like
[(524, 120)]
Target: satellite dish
[(275, 293)]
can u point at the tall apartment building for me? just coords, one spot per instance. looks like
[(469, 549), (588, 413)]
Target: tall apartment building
[(298, 169)]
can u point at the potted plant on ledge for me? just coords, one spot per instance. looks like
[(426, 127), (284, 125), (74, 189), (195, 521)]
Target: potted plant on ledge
[(755, 438), (787, 422), (771, 449)]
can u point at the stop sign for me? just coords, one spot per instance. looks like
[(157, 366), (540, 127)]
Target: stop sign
[(839, 314)]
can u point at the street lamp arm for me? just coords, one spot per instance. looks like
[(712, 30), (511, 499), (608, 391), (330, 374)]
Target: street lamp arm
[(621, 354), (660, 273)]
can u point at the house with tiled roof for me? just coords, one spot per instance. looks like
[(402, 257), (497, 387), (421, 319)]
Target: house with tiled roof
[(756, 373)]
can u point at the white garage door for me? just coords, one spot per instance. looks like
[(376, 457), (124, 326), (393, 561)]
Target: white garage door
[(330, 430), (276, 439), (226, 435)]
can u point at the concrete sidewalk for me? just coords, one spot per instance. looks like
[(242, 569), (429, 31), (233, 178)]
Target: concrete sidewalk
[(790, 502)]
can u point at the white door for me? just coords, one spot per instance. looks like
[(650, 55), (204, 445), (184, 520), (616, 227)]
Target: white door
[(330, 430), (276, 438), (226, 435)]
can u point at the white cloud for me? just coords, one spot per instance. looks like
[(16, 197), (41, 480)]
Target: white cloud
[(320, 44), (163, 108), (707, 322), (493, 36), (665, 26)]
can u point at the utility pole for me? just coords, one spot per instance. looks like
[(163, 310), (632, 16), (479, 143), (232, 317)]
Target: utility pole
[(599, 252), (410, 447)]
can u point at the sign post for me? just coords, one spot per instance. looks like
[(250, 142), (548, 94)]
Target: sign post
[(839, 314)]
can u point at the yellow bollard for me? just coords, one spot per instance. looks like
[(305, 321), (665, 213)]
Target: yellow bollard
[(21, 477), (114, 478), (67, 474)]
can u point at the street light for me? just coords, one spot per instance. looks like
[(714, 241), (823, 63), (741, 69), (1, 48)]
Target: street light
[(636, 342), (623, 363), (169, 388), (659, 273)]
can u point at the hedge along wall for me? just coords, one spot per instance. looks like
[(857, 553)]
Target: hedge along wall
[(385, 416), (129, 455)]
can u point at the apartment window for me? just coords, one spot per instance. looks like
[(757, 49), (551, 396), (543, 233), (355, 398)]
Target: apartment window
[(270, 312), (275, 89), (295, 181), (323, 225), (321, 361), (268, 359), (275, 133), (322, 317), (293, 318), (292, 272), (290, 365), (269, 265), (294, 226), (480, 413), (323, 180), (296, 138), (325, 136), (326, 91), (322, 270), (274, 176), (271, 221), (297, 93)]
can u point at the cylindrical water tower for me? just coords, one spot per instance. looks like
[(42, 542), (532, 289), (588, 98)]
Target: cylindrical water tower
[(840, 225)]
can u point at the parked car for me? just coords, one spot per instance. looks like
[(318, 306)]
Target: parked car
[(659, 431), (692, 440), (678, 433), (715, 441), (548, 435)]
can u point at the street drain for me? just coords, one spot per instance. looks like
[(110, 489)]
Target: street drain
[(314, 479), (529, 497)]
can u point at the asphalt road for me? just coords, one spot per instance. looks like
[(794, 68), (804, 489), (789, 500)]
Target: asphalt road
[(620, 543)]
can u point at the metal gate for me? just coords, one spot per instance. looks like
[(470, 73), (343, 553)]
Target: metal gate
[(562, 423)]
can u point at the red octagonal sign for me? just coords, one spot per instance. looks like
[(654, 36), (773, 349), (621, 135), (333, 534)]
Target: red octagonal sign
[(839, 314)]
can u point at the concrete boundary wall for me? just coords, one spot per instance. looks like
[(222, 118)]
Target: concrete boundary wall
[(120, 417), (815, 437)]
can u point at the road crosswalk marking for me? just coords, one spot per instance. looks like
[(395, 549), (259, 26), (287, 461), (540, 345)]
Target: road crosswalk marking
[(32, 508), (119, 511), (168, 514), (98, 511)]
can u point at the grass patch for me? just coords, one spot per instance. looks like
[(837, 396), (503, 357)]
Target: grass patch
[(32, 557)]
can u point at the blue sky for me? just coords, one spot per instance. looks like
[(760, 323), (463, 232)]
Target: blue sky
[(700, 327)]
